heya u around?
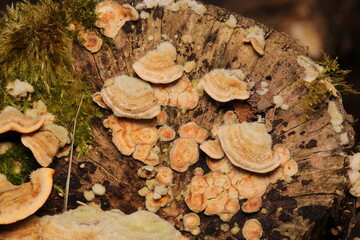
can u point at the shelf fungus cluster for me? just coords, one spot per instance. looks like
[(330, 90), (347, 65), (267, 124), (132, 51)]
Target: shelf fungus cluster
[(46, 140), (87, 222), (243, 163), (241, 156), (19, 202)]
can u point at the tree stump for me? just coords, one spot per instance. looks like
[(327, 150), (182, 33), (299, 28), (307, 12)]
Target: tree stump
[(295, 210)]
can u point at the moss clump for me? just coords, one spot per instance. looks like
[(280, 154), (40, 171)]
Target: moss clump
[(36, 47), (331, 82), (17, 163)]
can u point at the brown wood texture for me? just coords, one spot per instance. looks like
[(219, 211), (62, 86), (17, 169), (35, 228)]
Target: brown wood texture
[(295, 210)]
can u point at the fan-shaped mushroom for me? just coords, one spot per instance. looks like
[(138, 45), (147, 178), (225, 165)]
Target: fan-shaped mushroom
[(19, 202), (130, 97), (158, 66), (47, 143), (248, 145), (212, 148), (225, 85), (112, 16), (312, 70), (256, 37), (12, 119)]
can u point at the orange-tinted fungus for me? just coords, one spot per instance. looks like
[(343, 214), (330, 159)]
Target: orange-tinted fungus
[(166, 133), (164, 175)]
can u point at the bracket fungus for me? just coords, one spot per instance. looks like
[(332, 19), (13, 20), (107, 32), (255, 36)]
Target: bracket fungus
[(19, 202), (166, 133), (87, 222), (212, 148), (184, 153), (179, 93), (112, 16), (136, 137), (91, 41), (12, 119), (213, 194), (158, 66), (48, 142), (256, 36), (130, 97), (225, 85), (312, 70), (248, 145), (193, 131)]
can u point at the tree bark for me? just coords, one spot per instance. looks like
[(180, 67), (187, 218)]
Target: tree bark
[(295, 210)]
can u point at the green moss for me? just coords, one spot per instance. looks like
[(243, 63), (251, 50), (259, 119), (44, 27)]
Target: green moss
[(36, 47), (331, 82), (17, 163)]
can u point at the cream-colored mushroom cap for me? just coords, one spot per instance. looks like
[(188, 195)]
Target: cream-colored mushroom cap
[(130, 97), (158, 66), (312, 70), (225, 85), (248, 145), (19, 202), (256, 37), (12, 119), (213, 149), (112, 16)]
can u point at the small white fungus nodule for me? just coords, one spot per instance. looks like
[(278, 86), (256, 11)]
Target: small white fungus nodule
[(89, 195), (231, 22), (355, 162), (19, 88), (98, 189), (336, 117)]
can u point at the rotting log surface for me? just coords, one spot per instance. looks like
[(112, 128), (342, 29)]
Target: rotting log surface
[(295, 210)]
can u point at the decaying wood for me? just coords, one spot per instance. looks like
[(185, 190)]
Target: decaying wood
[(295, 210)]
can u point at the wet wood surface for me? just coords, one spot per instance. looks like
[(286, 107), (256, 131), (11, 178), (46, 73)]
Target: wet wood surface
[(295, 210)]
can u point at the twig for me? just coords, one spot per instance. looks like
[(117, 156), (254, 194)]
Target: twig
[(66, 199)]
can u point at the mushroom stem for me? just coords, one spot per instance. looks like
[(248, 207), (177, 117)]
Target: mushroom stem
[(67, 186)]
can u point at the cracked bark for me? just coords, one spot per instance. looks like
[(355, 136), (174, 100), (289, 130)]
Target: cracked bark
[(295, 210)]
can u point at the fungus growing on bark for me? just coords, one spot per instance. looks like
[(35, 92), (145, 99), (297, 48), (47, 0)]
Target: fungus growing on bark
[(166, 133), (136, 137), (253, 204), (90, 40), (193, 131), (180, 94), (212, 148), (130, 97), (248, 145), (164, 175), (184, 153), (12, 119), (256, 36), (112, 16), (312, 70), (19, 202), (47, 143), (252, 230), (191, 223), (225, 85), (158, 66)]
